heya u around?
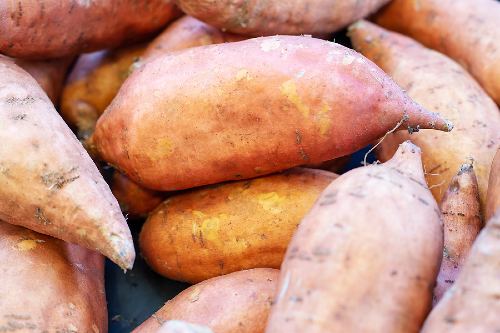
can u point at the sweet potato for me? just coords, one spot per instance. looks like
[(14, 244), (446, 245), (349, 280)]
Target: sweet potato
[(179, 326), (230, 227), (54, 29), (472, 304), (441, 85), (135, 200), (234, 303), (48, 182), (366, 257), (264, 18), (462, 222), (436, 23), (213, 115), (49, 285), (493, 196)]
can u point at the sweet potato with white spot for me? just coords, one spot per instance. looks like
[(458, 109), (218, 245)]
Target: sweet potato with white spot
[(234, 303), (48, 285), (179, 326), (465, 30), (229, 227), (461, 223), (472, 304), (366, 257), (48, 182), (240, 110), (441, 85), (493, 196)]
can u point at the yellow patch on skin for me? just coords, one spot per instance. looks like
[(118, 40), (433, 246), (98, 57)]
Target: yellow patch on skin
[(324, 120), (270, 44), (210, 228), (162, 148), (243, 74), (94, 328), (199, 214), (27, 244), (289, 89), (81, 232), (271, 201), (194, 295)]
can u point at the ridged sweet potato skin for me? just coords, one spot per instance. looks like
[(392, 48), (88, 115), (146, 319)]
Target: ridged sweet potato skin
[(493, 196), (366, 257), (28, 28), (229, 227), (234, 303), (440, 85), (212, 115), (271, 17), (435, 23), (48, 285)]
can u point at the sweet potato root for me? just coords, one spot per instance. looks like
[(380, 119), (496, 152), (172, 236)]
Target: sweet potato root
[(234, 303), (493, 196), (366, 257), (48, 182), (230, 117), (462, 222), (441, 85), (230, 227), (264, 18), (49, 285), (435, 23), (179, 326)]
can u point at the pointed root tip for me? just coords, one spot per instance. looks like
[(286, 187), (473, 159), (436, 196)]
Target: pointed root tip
[(467, 167), (409, 146)]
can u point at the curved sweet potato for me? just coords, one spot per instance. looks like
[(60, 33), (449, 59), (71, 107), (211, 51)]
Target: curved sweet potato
[(366, 257), (48, 182), (435, 24), (472, 303), (49, 285), (234, 303), (230, 227), (493, 196), (462, 222), (264, 18), (441, 85), (229, 117), (29, 28)]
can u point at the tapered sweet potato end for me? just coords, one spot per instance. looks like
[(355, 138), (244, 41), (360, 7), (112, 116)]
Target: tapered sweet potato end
[(408, 160)]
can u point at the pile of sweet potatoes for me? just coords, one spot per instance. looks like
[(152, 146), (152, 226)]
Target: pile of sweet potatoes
[(206, 124)]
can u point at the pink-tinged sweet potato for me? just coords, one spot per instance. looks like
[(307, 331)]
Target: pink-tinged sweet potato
[(48, 182), (264, 18), (234, 303), (179, 326), (461, 223), (493, 196), (472, 304), (54, 29), (48, 285), (366, 257), (441, 85), (465, 30), (209, 114)]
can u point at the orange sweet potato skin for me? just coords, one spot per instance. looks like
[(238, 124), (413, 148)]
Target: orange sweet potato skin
[(493, 196), (212, 115), (435, 24), (264, 18), (49, 285), (234, 303), (28, 28), (229, 227)]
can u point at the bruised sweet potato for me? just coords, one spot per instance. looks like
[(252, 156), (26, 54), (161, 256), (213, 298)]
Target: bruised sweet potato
[(49, 285), (234, 303), (179, 326), (441, 85), (264, 18), (53, 29), (365, 258), (472, 304), (213, 115), (461, 223), (48, 182), (230, 227), (493, 196), (465, 30)]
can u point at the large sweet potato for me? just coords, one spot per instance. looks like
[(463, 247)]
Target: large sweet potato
[(366, 257), (263, 17), (53, 28), (48, 285), (465, 30), (493, 196), (209, 114), (226, 228), (234, 303), (472, 304), (462, 222), (48, 182), (441, 85)]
